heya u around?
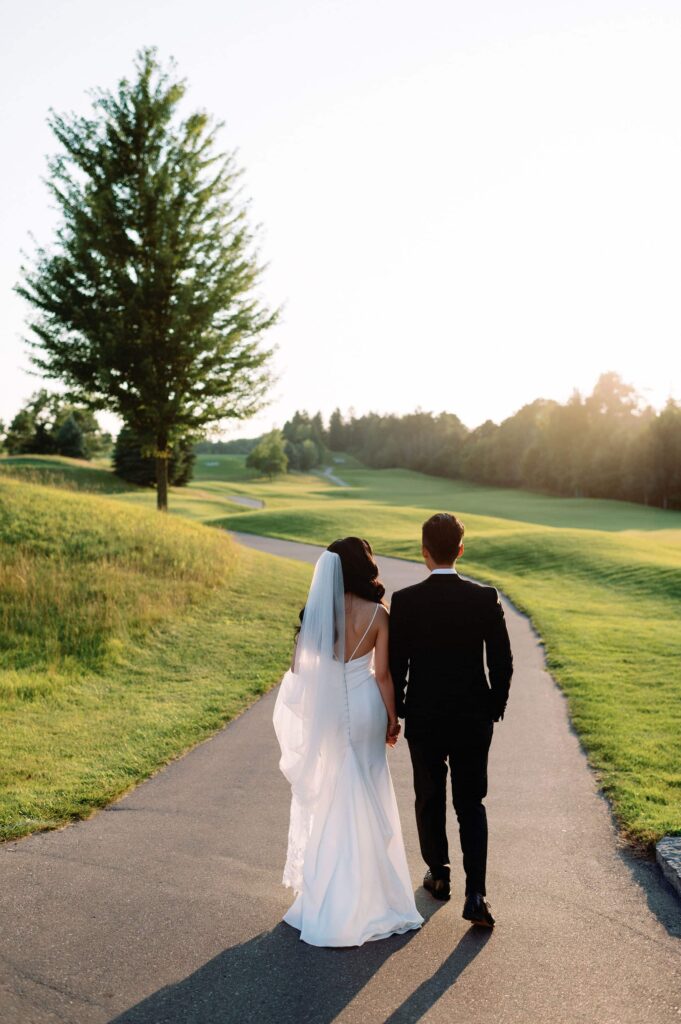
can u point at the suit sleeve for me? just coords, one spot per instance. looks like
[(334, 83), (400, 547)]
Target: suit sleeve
[(499, 655), (398, 652)]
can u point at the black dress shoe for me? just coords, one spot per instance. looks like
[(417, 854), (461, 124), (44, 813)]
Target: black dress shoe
[(477, 910), (437, 887)]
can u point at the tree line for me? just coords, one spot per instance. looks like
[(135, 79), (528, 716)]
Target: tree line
[(50, 425), (608, 444)]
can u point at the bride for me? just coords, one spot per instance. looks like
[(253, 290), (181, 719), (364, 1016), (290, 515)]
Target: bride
[(333, 718)]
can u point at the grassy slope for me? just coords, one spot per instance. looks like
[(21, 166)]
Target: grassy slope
[(73, 474), (126, 638)]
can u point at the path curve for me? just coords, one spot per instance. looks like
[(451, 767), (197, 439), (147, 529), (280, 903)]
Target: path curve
[(166, 907), (329, 475), (241, 499)]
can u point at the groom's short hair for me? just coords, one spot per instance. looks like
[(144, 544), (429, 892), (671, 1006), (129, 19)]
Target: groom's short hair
[(442, 535)]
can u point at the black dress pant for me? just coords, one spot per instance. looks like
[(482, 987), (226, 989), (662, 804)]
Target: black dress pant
[(464, 749)]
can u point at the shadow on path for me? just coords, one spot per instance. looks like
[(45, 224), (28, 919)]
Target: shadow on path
[(661, 898), (430, 991), (276, 977)]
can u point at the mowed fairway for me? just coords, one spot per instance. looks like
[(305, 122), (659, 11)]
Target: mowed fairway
[(601, 581), (127, 637)]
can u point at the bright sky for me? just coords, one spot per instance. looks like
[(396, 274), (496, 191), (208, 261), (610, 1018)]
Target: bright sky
[(465, 206)]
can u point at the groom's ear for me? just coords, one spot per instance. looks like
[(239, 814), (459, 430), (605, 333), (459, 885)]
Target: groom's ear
[(460, 550)]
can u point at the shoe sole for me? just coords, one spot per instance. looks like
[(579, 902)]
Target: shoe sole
[(483, 924)]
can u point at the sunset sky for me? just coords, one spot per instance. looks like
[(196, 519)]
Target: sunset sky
[(465, 206)]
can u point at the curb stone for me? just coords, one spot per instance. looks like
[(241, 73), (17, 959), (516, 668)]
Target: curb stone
[(668, 854)]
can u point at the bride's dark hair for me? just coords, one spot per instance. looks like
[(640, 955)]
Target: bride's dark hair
[(360, 572)]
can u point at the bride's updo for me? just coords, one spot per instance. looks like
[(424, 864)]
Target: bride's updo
[(360, 572)]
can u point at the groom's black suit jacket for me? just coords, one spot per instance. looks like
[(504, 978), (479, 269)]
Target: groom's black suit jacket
[(440, 631)]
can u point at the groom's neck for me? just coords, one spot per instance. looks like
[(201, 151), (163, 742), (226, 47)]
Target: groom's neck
[(439, 565)]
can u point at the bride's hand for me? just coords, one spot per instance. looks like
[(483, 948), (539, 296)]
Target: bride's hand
[(394, 729)]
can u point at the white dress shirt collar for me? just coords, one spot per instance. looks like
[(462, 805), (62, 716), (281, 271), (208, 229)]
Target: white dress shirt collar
[(443, 572)]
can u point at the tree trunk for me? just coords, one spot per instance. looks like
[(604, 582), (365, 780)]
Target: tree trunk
[(161, 460)]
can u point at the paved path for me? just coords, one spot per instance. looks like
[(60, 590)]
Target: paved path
[(329, 474), (241, 499), (165, 908)]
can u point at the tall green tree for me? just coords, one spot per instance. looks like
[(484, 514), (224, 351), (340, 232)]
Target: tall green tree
[(145, 303), (666, 452), (69, 440), (304, 441), (336, 436), (20, 432)]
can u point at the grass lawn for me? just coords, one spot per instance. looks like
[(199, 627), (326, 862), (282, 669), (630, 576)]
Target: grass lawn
[(601, 581), (126, 638)]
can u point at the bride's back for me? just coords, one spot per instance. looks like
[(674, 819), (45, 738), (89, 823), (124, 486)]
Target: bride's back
[(362, 624)]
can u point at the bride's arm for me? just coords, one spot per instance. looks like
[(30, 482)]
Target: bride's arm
[(295, 641), (383, 677)]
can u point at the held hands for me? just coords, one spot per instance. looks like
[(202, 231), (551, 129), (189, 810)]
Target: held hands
[(394, 729)]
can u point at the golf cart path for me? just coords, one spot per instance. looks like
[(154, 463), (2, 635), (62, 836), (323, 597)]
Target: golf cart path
[(166, 907)]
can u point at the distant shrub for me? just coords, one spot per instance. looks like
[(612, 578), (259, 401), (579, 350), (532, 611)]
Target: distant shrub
[(269, 457), (69, 440)]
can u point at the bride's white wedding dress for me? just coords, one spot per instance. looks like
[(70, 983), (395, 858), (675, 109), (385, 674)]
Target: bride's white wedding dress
[(346, 858)]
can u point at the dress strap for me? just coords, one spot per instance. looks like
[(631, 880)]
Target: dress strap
[(371, 622)]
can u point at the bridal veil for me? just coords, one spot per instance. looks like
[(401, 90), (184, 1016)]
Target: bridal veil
[(311, 714)]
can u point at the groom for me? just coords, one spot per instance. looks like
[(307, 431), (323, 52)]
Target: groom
[(438, 631)]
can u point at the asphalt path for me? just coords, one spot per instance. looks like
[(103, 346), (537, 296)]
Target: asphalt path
[(166, 907)]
